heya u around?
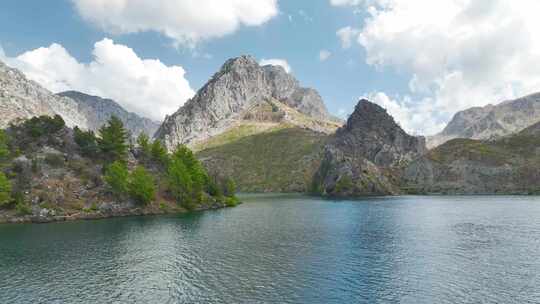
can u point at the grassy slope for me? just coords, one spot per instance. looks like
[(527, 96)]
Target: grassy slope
[(282, 158)]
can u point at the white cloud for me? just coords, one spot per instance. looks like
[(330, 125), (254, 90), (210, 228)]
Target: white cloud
[(145, 86), (324, 54), (345, 2), (184, 21), (347, 35), (458, 53), (279, 62)]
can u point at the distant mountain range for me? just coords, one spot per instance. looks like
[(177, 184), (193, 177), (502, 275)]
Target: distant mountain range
[(21, 98), (98, 110), (258, 124), (492, 121)]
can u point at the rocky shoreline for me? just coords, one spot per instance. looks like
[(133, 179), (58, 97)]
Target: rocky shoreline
[(48, 216)]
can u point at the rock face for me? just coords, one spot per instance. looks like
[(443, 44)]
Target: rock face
[(240, 84), (21, 98), (491, 122), (364, 155), (98, 111), (509, 165)]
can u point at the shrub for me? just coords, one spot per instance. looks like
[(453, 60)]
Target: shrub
[(5, 190), (116, 177), (54, 160), (141, 186), (21, 205)]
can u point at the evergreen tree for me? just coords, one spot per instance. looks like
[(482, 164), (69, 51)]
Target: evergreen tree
[(179, 181), (87, 141), (4, 148), (117, 178), (5, 190), (229, 187), (196, 170), (113, 140), (142, 187), (159, 152), (144, 144)]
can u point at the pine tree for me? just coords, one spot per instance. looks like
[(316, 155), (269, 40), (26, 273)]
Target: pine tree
[(159, 152), (142, 187), (179, 181), (5, 190), (117, 178), (4, 148), (113, 140), (144, 144), (87, 141)]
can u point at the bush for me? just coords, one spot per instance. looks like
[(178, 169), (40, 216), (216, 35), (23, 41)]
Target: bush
[(21, 205), (87, 142), (54, 160), (141, 186), (5, 190), (117, 178)]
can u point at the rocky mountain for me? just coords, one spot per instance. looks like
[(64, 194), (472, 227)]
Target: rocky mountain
[(22, 98), (98, 110), (508, 165), (365, 155), (236, 94), (491, 121)]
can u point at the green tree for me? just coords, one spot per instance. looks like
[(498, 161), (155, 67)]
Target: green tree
[(142, 187), (229, 187), (87, 141), (113, 140), (144, 144), (159, 152), (117, 178), (179, 181), (4, 146), (5, 190), (195, 169)]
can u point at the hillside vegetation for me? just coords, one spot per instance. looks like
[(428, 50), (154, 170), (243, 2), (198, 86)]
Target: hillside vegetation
[(280, 159), (50, 172)]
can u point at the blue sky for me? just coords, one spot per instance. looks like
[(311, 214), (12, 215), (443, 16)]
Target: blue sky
[(421, 93)]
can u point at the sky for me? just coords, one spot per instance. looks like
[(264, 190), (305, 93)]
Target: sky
[(421, 60)]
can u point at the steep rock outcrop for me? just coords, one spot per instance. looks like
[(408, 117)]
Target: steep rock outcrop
[(364, 156), (222, 102), (21, 98), (492, 121), (99, 110)]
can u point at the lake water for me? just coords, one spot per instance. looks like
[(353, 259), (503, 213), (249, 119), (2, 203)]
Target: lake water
[(286, 249)]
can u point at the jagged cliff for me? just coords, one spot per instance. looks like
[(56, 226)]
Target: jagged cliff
[(99, 110), (21, 98), (365, 155), (491, 121), (231, 95)]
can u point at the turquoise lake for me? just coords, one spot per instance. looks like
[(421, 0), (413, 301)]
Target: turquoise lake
[(286, 249)]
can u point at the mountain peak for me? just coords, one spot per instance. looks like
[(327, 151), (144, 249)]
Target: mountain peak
[(240, 84)]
